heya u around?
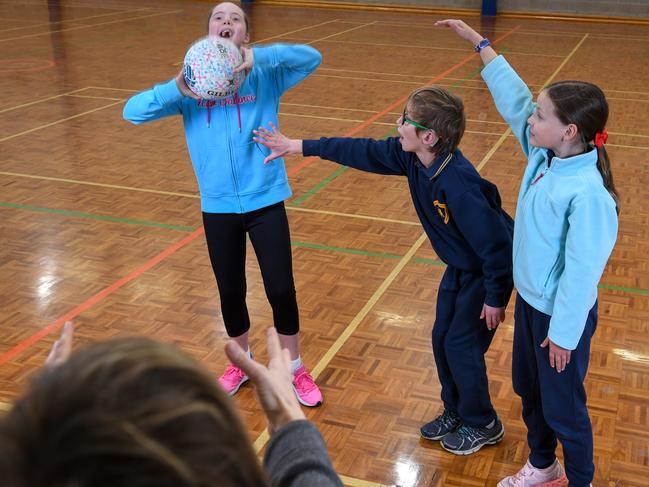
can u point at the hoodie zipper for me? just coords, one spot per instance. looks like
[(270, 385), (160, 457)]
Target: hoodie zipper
[(231, 156)]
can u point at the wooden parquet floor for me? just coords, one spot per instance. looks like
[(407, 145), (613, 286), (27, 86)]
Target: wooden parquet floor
[(101, 220)]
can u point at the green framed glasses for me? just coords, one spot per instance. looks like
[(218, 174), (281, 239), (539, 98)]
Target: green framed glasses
[(405, 119)]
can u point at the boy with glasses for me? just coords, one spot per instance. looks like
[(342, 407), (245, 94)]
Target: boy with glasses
[(462, 215)]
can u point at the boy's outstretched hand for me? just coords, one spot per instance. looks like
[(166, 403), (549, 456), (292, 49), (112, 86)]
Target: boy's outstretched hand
[(273, 385), (461, 28), (277, 142)]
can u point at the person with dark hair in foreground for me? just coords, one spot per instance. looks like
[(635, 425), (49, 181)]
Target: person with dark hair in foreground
[(133, 411)]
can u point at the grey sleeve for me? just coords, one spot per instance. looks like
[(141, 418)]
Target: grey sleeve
[(297, 457)]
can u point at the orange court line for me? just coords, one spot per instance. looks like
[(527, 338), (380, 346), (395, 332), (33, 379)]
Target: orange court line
[(57, 324), (369, 121)]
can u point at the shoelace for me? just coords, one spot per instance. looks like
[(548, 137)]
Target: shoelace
[(304, 380), (233, 370), (447, 419), (522, 473), (468, 432)]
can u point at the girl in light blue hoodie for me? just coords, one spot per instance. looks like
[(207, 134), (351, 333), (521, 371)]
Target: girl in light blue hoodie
[(240, 195), (565, 229)]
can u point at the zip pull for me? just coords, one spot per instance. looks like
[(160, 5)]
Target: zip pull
[(538, 177)]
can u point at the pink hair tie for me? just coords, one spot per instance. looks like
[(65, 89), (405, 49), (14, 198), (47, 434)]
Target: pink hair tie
[(601, 138)]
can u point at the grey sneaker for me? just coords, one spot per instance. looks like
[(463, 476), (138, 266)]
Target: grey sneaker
[(445, 423), (466, 440)]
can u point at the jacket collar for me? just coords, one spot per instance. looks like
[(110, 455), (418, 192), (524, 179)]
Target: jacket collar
[(572, 164)]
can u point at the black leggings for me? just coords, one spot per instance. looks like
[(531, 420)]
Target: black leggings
[(270, 237)]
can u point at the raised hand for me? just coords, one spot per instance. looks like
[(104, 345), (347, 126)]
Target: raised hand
[(461, 28), (277, 142), (182, 86), (248, 60), (272, 384), (62, 347)]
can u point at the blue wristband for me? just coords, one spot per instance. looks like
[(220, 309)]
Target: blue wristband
[(482, 44)]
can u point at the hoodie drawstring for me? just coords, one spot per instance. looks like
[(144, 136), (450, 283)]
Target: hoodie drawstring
[(210, 103)]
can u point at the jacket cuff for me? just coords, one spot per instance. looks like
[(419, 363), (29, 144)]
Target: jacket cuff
[(310, 147)]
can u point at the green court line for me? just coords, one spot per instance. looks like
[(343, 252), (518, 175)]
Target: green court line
[(80, 214), (318, 187), (631, 290), (295, 243)]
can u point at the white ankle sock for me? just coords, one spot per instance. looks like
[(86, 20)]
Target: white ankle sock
[(296, 364)]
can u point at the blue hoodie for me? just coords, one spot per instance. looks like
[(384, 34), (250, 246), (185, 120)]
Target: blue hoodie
[(229, 168), (566, 220)]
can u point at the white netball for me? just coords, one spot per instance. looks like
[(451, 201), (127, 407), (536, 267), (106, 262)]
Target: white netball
[(209, 68)]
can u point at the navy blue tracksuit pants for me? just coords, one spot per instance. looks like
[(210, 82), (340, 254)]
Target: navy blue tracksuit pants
[(460, 340), (554, 404)]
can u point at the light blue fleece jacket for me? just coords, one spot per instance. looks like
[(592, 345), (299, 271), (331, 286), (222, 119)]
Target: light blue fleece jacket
[(566, 221), (229, 167)]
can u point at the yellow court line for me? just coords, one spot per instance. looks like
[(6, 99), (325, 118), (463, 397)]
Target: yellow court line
[(477, 132), (563, 63), (337, 345), (58, 121), (107, 88), (5, 406), (416, 46), (294, 31), (284, 34), (49, 32), (339, 33), (550, 33), (352, 215), (344, 336), (41, 100), (324, 118), (352, 482), (96, 97), (99, 185), (195, 196), (77, 20)]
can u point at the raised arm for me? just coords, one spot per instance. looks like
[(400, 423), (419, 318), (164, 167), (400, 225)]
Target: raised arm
[(375, 156), (510, 93), (291, 63), (487, 54), (162, 100)]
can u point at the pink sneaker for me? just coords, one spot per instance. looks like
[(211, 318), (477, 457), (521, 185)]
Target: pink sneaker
[(306, 390), (530, 476), (232, 379)]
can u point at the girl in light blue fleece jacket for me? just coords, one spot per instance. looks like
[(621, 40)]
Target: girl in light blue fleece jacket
[(239, 193), (565, 229)]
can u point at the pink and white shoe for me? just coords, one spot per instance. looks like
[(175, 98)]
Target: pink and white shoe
[(306, 390), (232, 379), (530, 476)]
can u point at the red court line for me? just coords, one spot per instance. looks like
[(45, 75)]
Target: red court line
[(305, 162), (57, 324)]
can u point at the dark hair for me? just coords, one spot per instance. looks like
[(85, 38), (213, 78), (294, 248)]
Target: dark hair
[(128, 411), (238, 4), (584, 105), (441, 111)]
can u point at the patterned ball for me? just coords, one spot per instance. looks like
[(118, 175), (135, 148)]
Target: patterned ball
[(209, 68)]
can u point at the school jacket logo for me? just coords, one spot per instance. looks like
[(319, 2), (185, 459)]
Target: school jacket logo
[(443, 211)]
